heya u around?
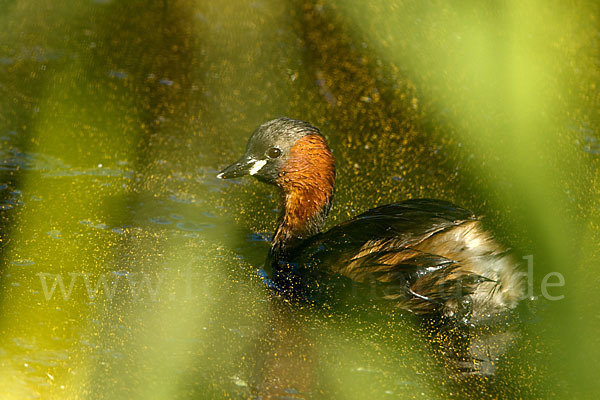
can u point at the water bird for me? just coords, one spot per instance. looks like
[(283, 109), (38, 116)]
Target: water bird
[(425, 256)]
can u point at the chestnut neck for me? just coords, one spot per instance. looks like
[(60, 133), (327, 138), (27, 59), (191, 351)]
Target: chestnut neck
[(307, 183)]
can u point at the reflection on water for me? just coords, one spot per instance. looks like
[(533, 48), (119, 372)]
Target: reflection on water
[(129, 271)]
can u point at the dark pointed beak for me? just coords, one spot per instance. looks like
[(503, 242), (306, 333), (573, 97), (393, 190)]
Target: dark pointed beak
[(239, 168)]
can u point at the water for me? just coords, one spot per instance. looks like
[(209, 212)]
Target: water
[(129, 271)]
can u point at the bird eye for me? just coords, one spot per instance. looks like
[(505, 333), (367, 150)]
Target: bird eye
[(273, 152)]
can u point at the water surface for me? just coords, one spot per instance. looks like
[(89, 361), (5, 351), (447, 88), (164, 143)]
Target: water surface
[(129, 271)]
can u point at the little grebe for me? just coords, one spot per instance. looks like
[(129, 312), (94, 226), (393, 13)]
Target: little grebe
[(427, 256)]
